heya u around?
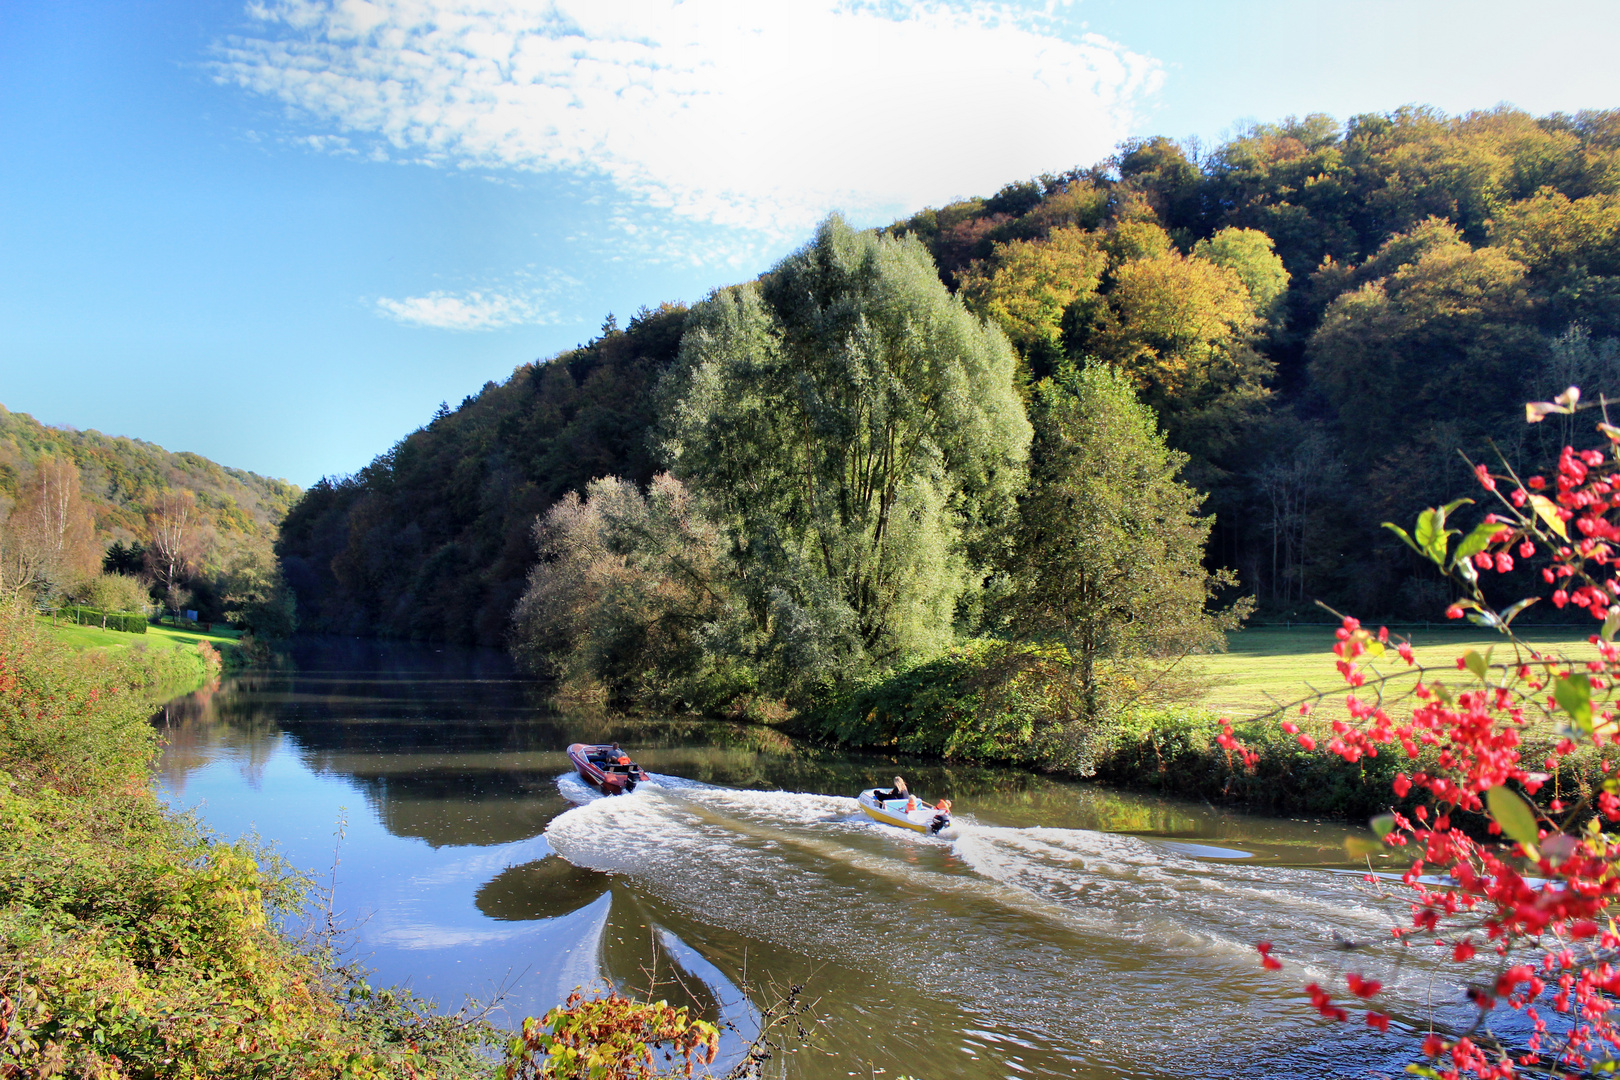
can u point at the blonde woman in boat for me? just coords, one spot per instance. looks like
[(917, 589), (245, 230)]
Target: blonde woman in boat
[(899, 791)]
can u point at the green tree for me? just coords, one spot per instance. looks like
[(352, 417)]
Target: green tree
[(1171, 184), (124, 559), (110, 593), (859, 430), (1252, 256), (256, 596), (1451, 318), (1571, 249), (632, 601), (1110, 546)]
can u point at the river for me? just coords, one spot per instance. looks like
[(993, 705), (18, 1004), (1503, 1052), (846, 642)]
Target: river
[(1058, 929)]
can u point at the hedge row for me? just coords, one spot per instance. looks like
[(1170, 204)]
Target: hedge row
[(129, 622)]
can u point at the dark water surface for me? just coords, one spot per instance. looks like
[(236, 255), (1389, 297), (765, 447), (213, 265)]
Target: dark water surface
[(1058, 929)]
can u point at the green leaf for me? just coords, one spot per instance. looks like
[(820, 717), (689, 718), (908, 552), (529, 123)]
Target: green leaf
[(1404, 535), (1475, 542), (1383, 825), (1518, 821), (1610, 625), (1574, 695), (1431, 535), (1476, 664), (1446, 510), (1422, 1070), (1511, 613)]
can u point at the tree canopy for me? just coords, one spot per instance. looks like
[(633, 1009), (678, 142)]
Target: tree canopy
[(1302, 307), (1109, 552), (859, 430)]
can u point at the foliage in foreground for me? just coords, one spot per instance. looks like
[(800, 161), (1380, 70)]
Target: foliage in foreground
[(131, 944), (1512, 897), (609, 1038)]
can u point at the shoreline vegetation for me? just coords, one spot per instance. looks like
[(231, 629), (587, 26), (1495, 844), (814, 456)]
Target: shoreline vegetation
[(997, 703), (134, 942)]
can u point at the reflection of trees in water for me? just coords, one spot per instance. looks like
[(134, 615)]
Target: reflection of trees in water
[(451, 747), (544, 889), (234, 717)]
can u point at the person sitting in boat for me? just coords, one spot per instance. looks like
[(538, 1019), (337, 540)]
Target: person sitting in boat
[(899, 791)]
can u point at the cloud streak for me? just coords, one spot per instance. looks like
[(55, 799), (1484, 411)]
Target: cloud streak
[(736, 113), (526, 299)]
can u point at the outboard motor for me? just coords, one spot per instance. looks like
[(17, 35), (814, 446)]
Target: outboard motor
[(939, 822)]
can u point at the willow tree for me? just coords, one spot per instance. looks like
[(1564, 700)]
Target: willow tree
[(858, 430)]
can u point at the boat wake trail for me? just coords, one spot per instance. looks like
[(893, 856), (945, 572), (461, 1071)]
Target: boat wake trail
[(1068, 932)]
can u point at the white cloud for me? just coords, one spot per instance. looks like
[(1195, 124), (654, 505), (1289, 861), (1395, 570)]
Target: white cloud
[(329, 144), (761, 116), (475, 310)]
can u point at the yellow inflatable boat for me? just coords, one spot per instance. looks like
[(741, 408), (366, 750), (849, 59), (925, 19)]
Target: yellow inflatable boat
[(919, 818)]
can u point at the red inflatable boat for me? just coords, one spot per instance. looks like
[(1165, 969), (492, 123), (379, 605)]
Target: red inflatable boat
[(605, 766)]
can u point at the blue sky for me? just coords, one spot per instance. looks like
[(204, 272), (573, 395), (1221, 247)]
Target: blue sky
[(279, 233)]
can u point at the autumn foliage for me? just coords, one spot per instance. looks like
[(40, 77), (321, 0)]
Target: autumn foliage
[(1510, 882), (609, 1038)]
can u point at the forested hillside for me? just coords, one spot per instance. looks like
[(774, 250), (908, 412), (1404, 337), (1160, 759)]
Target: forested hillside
[(1319, 315), (114, 522), (434, 538), (119, 476)]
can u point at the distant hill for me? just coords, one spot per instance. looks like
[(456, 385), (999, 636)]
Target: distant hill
[(119, 476)]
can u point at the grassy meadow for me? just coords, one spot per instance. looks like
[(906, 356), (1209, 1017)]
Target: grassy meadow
[(1270, 665), (156, 637)]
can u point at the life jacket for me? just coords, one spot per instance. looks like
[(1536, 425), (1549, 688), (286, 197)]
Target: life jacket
[(624, 761), (911, 804), (943, 806)]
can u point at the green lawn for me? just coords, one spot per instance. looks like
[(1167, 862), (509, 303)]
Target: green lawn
[(156, 637), (1266, 665)]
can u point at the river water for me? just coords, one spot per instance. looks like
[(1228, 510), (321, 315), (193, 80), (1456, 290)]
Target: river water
[(1057, 929)]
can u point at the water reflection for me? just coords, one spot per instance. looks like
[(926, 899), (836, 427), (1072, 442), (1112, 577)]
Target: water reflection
[(1060, 929)]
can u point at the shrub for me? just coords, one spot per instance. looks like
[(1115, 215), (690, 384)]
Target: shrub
[(128, 622), (132, 944), (983, 701), (611, 1038)]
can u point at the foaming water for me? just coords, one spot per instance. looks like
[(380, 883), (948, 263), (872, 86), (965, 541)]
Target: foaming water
[(1055, 929), (1083, 940)]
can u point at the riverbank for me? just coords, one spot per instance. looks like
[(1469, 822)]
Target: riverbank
[(233, 648), (133, 942), (986, 703)]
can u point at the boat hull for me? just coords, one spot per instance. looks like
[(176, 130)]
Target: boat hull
[(608, 780), (925, 819)]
